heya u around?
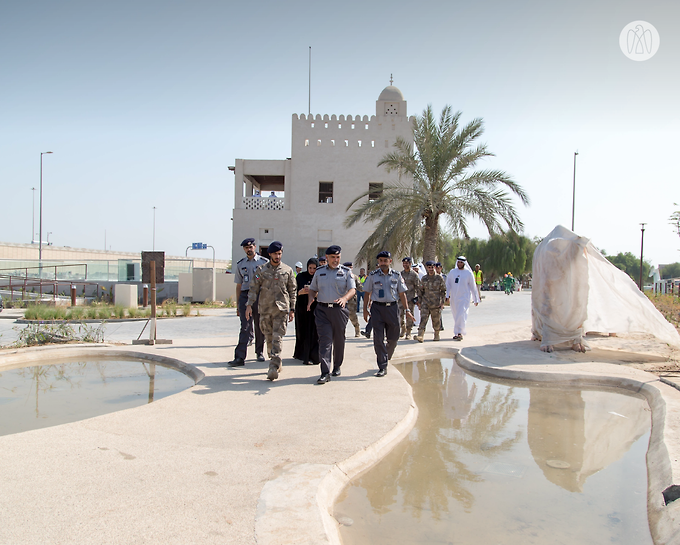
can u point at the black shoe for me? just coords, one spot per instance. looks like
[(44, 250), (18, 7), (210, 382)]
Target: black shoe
[(381, 373), (367, 335), (336, 373), (237, 362), (260, 357), (323, 379)]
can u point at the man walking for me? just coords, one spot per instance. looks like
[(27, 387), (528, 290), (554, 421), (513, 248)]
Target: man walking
[(244, 272), (479, 279), (431, 297), (412, 282), (353, 302), (333, 285), (382, 289), (460, 288), (274, 282)]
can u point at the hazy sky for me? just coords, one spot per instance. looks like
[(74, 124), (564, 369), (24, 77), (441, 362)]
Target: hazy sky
[(147, 103)]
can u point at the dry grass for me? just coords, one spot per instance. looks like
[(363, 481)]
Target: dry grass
[(669, 306)]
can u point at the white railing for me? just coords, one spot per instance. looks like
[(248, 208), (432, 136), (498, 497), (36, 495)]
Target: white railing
[(262, 203)]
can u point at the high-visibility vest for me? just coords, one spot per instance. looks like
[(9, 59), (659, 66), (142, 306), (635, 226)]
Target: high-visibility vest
[(478, 276)]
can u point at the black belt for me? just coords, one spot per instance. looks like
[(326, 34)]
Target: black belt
[(387, 304), (245, 291), (329, 305)]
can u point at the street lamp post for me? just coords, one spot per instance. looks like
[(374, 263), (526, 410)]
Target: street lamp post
[(33, 217), (573, 195), (41, 208), (642, 245), (153, 246)]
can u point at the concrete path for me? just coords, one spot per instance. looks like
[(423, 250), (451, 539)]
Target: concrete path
[(238, 459)]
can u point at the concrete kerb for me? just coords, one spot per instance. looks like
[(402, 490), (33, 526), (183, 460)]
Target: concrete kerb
[(664, 403), (26, 357)]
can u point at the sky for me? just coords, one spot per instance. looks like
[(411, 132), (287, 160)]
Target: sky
[(147, 103)]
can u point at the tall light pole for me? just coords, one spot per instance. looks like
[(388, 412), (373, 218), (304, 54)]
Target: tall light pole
[(642, 245), (33, 217), (154, 229), (41, 201), (573, 195)]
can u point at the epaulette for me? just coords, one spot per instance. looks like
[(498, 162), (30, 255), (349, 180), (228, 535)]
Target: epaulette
[(376, 271), (243, 259), (344, 267)]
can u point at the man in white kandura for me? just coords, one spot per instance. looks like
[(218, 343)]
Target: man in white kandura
[(460, 288)]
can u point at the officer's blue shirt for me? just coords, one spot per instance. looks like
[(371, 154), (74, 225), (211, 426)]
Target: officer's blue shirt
[(331, 284), (385, 288), (245, 270)]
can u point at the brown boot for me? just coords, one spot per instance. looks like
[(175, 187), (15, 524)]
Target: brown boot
[(408, 335), (357, 331), (402, 332), (421, 334), (273, 372), (436, 336)]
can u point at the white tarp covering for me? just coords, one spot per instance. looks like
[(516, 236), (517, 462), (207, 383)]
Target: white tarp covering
[(576, 290)]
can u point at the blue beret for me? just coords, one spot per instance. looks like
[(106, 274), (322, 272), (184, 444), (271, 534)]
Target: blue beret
[(274, 247), (384, 253), (333, 250), (407, 259), (429, 263), (248, 242), (347, 263), (437, 264)]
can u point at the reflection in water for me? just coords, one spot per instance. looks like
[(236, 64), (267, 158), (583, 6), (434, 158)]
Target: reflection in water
[(47, 395), (482, 462)]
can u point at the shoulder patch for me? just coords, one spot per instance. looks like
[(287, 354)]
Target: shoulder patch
[(241, 260), (376, 271)]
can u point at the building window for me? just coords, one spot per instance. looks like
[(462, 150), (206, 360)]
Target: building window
[(346, 143), (306, 142), (318, 142), (375, 190), (332, 142), (325, 125), (326, 192), (359, 142)]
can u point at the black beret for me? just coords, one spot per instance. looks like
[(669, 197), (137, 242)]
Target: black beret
[(384, 253), (437, 264), (407, 259), (274, 247), (333, 250), (347, 263), (248, 241), (429, 263)]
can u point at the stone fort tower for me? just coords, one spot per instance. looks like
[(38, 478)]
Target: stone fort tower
[(333, 159)]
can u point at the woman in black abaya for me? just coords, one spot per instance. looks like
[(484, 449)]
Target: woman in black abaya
[(306, 338)]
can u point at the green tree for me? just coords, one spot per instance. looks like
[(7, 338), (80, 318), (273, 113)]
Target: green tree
[(670, 271), (675, 220), (436, 180), (630, 264)]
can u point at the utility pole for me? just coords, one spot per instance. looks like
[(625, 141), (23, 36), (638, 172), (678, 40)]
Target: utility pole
[(642, 245)]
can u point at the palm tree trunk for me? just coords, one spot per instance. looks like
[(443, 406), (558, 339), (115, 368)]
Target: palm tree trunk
[(430, 239)]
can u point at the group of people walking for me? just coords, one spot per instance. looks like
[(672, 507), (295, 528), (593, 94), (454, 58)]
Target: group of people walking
[(321, 300)]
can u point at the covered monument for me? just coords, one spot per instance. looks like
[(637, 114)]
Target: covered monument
[(575, 290)]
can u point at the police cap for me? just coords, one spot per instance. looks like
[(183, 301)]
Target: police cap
[(384, 253), (429, 263), (347, 264), (274, 247), (333, 250), (248, 241), (407, 259)]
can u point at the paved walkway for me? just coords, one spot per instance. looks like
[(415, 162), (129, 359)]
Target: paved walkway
[(238, 459)]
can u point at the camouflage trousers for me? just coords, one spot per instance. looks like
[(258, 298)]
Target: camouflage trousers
[(425, 313), (405, 322), (352, 307), (273, 328)]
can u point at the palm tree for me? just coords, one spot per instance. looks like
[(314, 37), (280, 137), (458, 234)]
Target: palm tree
[(435, 179)]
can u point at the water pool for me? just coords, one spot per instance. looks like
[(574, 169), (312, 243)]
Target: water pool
[(68, 391), (506, 463)]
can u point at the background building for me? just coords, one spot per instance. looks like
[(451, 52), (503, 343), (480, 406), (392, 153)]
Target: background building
[(333, 160)]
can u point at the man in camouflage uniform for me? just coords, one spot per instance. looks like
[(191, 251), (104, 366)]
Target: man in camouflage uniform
[(275, 283), (412, 283), (431, 297), (352, 303)]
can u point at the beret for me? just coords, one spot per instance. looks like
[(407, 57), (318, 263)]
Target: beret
[(275, 247), (347, 263), (429, 263), (384, 253), (333, 250), (248, 241), (438, 264), (407, 259)]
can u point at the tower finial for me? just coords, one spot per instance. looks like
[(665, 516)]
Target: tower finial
[(391, 80)]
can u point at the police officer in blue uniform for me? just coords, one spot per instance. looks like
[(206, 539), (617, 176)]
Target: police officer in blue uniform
[(333, 285), (244, 272), (382, 289)]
